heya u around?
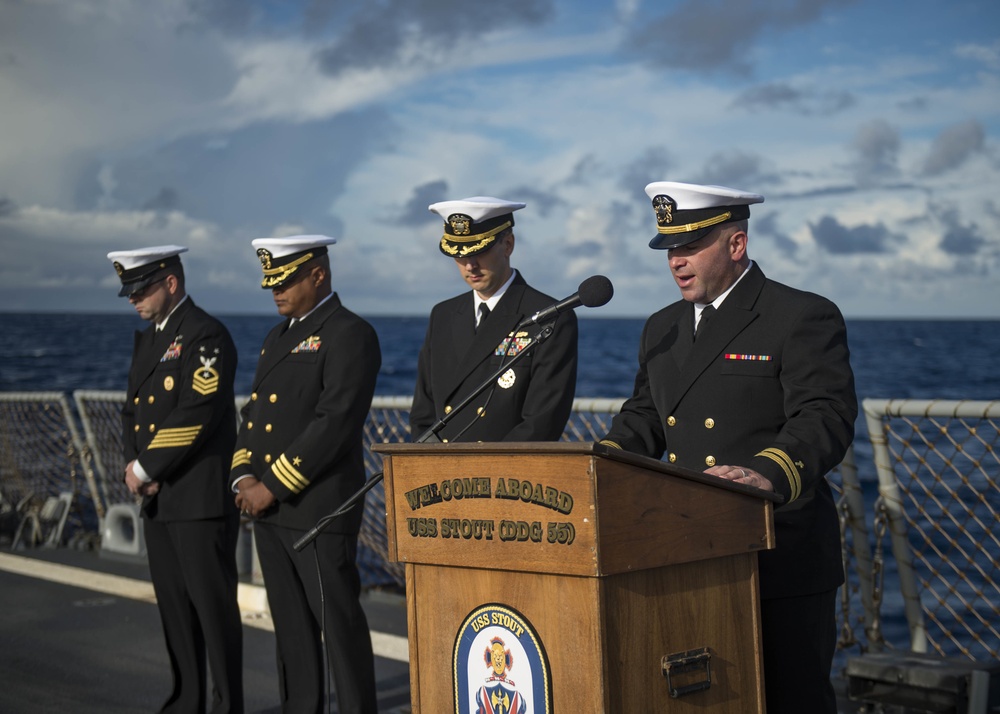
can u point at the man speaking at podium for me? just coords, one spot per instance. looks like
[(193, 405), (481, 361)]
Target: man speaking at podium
[(750, 380), (470, 336)]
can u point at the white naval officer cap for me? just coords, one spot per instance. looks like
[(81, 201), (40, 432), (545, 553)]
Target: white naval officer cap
[(280, 258), (471, 225), (686, 211), (140, 268)]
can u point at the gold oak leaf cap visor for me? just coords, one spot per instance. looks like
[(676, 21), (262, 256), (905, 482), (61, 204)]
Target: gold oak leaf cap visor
[(281, 258), (471, 225)]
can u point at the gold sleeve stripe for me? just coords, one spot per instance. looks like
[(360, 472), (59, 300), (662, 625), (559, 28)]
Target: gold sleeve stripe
[(788, 466), (173, 438), (612, 444), (291, 477), (240, 458)]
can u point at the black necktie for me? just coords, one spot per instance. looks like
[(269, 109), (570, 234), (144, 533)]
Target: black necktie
[(706, 314), (484, 312)]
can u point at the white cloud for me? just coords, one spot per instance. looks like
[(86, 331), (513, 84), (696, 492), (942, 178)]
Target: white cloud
[(988, 55), (118, 105)]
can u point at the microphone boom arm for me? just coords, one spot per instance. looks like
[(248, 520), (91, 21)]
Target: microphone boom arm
[(431, 435)]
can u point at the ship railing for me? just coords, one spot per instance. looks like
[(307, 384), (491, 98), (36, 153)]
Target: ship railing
[(44, 465), (920, 497), (938, 504)]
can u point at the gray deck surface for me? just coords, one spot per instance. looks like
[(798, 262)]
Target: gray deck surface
[(69, 648)]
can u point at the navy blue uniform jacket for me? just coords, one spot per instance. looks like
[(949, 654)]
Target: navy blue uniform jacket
[(179, 417), (768, 385), (531, 403), (302, 431)]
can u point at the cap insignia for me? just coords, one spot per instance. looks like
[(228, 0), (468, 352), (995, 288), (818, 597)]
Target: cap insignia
[(265, 258), (664, 207), (461, 224), (119, 268)]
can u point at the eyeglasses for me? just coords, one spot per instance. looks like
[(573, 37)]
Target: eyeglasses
[(143, 292)]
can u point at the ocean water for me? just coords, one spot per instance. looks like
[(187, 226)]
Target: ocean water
[(892, 359), (914, 359)]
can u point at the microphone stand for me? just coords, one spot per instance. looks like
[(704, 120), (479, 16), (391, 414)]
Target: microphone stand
[(431, 435)]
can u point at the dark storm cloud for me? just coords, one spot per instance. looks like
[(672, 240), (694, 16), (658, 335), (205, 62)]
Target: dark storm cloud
[(775, 95), (837, 239), (539, 200), (7, 207), (166, 200), (959, 239), (915, 104), (585, 169), (737, 169), (780, 96), (654, 164), (415, 210), (378, 31), (228, 16), (586, 249), (876, 152), (954, 146), (706, 36), (162, 203), (766, 226), (259, 177)]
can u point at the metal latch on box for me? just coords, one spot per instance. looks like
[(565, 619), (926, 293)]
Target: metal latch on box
[(684, 663)]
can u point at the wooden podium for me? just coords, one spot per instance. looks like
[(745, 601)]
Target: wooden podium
[(584, 578)]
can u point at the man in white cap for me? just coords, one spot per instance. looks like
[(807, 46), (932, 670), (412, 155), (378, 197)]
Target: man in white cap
[(750, 380), (470, 336), (299, 456), (178, 431)]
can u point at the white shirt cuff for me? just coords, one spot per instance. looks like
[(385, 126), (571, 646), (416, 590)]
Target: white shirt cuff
[(140, 473), (234, 488)]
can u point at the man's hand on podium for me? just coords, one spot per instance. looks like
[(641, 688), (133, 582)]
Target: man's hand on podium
[(740, 474)]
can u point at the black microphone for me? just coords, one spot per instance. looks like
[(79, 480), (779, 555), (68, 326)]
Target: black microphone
[(594, 292)]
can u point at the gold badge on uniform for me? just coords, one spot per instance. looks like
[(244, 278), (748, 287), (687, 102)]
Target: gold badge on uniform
[(507, 379), (168, 382), (206, 379)]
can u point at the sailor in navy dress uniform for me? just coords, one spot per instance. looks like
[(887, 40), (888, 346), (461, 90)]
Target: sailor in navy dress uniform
[(299, 456), (764, 395), (178, 431), (532, 400)]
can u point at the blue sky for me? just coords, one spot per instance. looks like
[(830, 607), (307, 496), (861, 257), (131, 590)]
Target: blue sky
[(871, 128)]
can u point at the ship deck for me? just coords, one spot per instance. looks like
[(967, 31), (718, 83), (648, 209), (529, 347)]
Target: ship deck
[(80, 632)]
